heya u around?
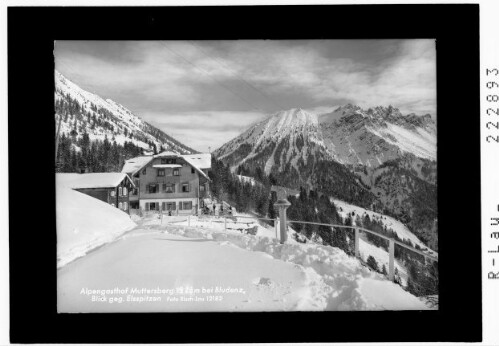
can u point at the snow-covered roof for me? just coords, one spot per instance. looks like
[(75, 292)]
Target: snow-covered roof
[(167, 166), (133, 165), (198, 161), (202, 161), (167, 154), (90, 180)]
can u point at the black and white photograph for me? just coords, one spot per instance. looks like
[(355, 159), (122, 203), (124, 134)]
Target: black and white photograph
[(254, 173), (246, 175)]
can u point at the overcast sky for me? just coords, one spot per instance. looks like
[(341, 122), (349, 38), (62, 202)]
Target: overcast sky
[(204, 93)]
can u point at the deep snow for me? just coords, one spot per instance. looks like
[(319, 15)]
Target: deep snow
[(85, 223), (169, 255)]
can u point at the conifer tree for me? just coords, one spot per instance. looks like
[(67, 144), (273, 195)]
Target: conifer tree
[(371, 262)]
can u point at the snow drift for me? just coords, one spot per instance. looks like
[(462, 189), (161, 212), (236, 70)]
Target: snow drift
[(336, 280), (84, 223)]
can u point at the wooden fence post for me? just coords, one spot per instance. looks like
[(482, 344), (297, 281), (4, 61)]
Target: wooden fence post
[(283, 204), (275, 226), (357, 252), (391, 260)]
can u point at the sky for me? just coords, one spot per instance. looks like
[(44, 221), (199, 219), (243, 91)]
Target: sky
[(204, 93)]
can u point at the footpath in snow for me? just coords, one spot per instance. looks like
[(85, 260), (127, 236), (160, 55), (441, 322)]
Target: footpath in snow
[(201, 267)]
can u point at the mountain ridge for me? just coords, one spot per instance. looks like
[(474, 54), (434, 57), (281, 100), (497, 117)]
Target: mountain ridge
[(85, 112), (376, 158)]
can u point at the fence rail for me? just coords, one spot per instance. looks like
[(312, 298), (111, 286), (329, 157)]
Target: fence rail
[(433, 258), (391, 244)]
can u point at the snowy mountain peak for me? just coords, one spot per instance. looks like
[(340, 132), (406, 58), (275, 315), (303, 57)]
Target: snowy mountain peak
[(84, 112), (349, 135), (292, 118)]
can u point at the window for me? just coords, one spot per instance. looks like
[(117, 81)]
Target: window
[(163, 161), (201, 188), (153, 188), (193, 170), (171, 161), (113, 193), (161, 172), (185, 187), (120, 205), (176, 172), (169, 188), (125, 205), (144, 171), (169, 206), (120, 191), (125, 191), (186, 205), (152, 206)]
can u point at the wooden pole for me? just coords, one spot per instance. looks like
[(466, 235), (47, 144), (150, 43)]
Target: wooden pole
[(357, 253), (283, 224), (282, 205), (391, 261), (275, 226), (57, 137)]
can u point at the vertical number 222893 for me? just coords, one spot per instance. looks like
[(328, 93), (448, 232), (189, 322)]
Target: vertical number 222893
[(492, 100)]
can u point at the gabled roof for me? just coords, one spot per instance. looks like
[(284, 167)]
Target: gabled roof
[(197, 161), (202, 160), (132, 166), (90, 180), (167, 154)]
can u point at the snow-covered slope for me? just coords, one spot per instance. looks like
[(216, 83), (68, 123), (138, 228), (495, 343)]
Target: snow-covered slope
[(337, 281), (398, 227), (84, 223), (178, 264), (349, 134), (100, 118), (287, 137), (376, 135), (376, 158)]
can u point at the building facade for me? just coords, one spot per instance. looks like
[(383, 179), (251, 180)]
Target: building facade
[(169, 182), (112, 188)]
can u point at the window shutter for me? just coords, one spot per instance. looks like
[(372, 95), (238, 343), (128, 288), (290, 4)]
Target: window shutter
[(163, 206), (179, 205), (147, 206), (174, 205)]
